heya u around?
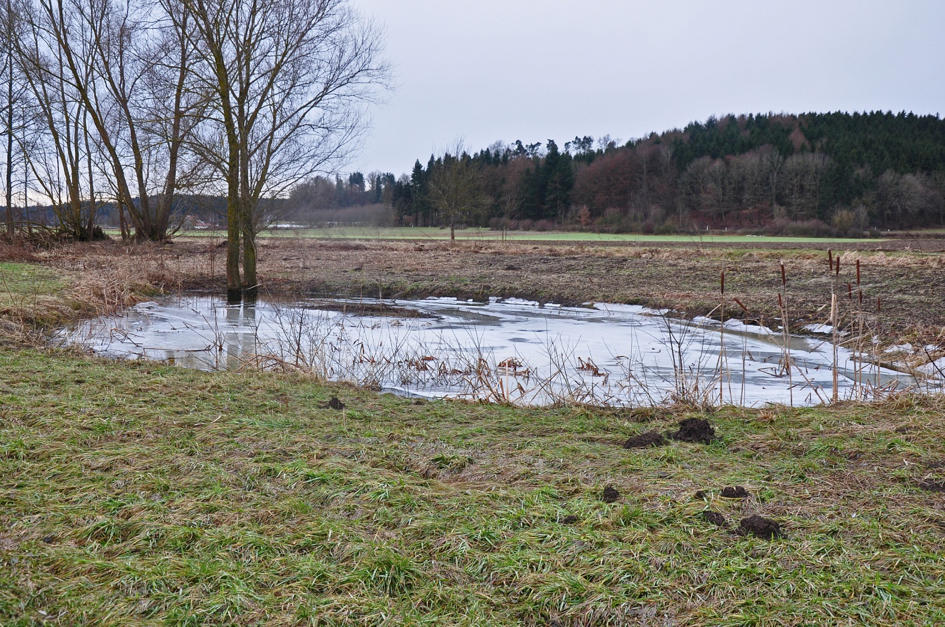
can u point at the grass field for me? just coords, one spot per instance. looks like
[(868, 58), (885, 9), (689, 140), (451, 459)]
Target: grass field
[(435, 233), (24, 281), (136, 493)]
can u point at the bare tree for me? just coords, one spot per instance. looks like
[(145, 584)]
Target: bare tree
[(51, 140), (455, 189), (7, 37), (122, 103), (138, 59), (110, 82), (287, 76)]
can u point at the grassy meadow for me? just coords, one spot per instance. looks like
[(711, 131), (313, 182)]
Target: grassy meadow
[(488, 235), (144, 493), (140, 493)]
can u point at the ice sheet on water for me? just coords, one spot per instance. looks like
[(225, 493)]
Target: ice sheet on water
[(609, 354), (934, 368)]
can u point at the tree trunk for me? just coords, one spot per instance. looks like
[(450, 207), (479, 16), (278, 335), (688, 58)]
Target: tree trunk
[(26, 196), (11, 226), (90, 221), (233, 293), (250, 287)]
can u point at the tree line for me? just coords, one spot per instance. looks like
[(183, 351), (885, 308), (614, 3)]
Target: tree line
[(132, 103), (818, 173)]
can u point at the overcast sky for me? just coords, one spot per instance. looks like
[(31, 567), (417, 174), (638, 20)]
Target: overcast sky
[(488, 70)]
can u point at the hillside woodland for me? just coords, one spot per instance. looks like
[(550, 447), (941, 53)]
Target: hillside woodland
[(814, 173)]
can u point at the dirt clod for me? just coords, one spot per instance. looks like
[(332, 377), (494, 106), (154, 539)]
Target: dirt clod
[(715, 518), (335, 404), (610, 494), (932, 486), (650, 438), (569, 520), (738, 492), (701, 495), (760, 527), (694, 430)]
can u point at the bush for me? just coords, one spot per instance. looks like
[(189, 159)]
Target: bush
[(666, 228), (843, 221)]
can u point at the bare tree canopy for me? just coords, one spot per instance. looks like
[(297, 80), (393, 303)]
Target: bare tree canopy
[(133, 101), (287, 78), (455, 189)]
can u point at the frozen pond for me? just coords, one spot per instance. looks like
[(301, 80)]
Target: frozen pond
[(503, 350)]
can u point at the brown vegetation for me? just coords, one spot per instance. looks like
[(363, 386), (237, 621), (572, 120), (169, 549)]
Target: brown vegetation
[(684, 279)]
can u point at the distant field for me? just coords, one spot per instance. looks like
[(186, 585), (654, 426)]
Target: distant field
[(434, 233)]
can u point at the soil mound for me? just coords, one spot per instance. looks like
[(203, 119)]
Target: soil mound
[(715, 518), (738, 492), (760, 527), (335, 404), (610, 494), (932, 486), (650, 438), (694, 430)]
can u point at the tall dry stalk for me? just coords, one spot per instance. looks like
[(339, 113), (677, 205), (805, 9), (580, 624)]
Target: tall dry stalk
[(722, 357), (834, 325), (859, 381), (786, 352)]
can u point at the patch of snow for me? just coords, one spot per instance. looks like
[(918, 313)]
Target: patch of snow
[(934, 368), (521, 302), (741, 327), (615, 309), (899, 348)]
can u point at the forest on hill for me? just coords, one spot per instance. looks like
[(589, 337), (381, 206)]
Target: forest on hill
[(811, 173)]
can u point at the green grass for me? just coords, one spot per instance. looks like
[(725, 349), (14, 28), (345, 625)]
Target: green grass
[(32, 296), (139, 493), (21, 280), (476, 234)]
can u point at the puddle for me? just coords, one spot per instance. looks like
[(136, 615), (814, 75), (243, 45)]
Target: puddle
[(503, 350)]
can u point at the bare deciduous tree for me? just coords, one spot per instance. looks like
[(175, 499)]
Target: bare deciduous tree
[(51, 140), (7, 37), (111, 94), (122, 103), (455, 190), (287, 76)]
